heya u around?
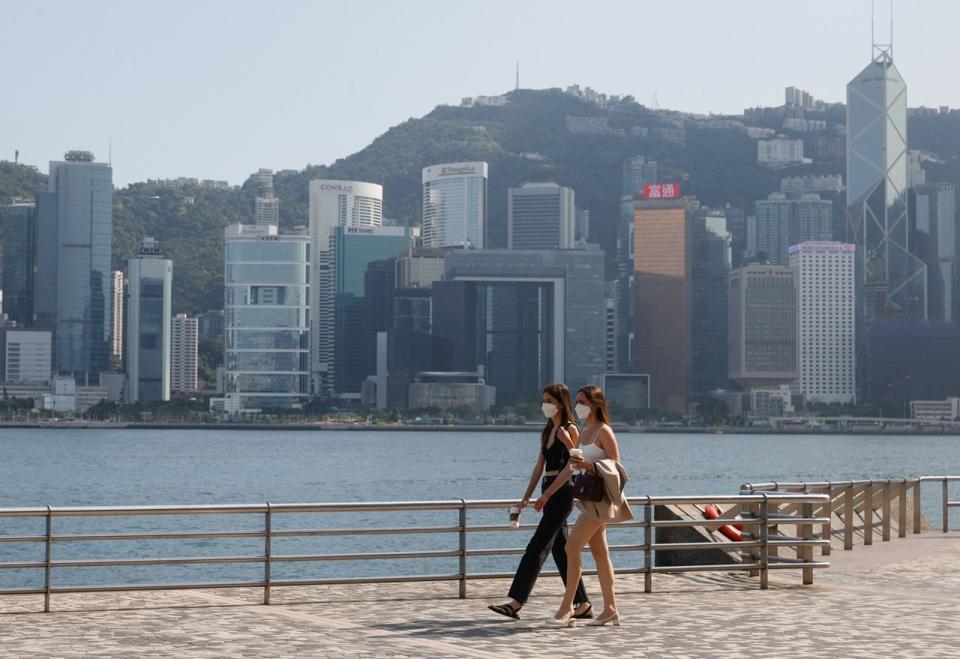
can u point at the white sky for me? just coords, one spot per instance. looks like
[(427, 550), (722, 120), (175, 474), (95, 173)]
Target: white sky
[(216, 89)]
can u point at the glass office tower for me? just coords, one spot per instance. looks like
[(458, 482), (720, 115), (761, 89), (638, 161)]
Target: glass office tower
[(893, 278), (73, 285), (17, 256), (267, 335), (149, 304)]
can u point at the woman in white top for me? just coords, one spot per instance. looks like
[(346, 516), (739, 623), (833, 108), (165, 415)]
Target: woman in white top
[(597, 443)]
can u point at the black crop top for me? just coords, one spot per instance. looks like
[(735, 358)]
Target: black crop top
[(556, 456)]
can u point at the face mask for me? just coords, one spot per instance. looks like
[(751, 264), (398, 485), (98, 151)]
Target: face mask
[(549, 409), (583, 411)]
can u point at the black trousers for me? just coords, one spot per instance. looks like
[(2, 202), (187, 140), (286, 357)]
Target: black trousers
[(550, 536)]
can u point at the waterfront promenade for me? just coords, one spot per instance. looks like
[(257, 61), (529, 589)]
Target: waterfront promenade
[(892, 598)]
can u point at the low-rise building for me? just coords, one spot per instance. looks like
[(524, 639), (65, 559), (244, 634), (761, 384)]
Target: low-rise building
[(931, 411), (447, 390)]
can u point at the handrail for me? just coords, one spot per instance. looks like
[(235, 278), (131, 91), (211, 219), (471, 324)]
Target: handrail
[(757, 550), (850, 487)]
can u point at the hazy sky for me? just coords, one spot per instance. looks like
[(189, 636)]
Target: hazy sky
[(217, 89)]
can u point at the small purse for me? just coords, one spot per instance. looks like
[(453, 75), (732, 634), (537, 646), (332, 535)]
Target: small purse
[(588, 487)]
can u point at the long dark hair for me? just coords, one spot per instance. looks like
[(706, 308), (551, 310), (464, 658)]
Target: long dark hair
[(561, 395), (595, 397)]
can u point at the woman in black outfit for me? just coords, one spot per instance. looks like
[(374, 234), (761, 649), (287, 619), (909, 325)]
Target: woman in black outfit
[(558, 437)]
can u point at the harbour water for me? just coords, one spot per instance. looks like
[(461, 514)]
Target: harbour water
[(77, 467)]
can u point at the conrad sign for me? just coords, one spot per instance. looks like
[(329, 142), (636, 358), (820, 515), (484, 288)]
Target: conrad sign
[(337, 187)]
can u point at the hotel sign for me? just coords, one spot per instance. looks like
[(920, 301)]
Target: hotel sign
[(661, 191)]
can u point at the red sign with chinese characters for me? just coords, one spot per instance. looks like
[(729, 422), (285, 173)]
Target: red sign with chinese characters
[(661, 191)]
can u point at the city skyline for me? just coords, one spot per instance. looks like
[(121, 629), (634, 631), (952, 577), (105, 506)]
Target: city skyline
[(163, 137)]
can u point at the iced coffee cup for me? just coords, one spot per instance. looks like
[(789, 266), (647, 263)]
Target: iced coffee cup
[(576, 453), (515, 516)]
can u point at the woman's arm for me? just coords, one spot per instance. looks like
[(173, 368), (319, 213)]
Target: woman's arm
[(534, 477), (557, 483), (570, 436)]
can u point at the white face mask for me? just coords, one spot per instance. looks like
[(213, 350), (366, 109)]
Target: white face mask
[(549, 409), (583, 411)]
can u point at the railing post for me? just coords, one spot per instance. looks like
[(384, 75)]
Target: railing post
[(806, 533), (648, 547), (764, 546), (917, 514), (48, 561), (848, 514), (825, 529), (463, 549), (267, 551), (946, 504), (902, 525), (887, 495), (868, 514)]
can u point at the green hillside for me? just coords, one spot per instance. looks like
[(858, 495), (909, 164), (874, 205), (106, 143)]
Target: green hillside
[(526, 139)]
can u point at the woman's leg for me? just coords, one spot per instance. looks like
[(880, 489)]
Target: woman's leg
[(579, 534), (601, 556), (560, 558), (536, 553)]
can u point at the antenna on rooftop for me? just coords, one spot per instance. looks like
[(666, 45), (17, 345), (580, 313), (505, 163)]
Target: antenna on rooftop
[(518, 75), (110, 151), (880, 52)]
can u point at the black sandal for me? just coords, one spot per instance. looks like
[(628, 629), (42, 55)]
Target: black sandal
[(587, 613), (505, 610)]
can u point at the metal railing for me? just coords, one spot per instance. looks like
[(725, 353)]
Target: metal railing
[(867, 498), (758, 550)]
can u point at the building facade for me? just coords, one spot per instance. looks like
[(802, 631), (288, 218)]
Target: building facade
[(541, 216), (763, 326), (455, 205), (17, 253), (780, 151), (364, 267), (333, 204), (663, 291), (935, 240), (825, 281), (638, 172), (522, 318), (892, 277), (27, 356), (782, 221), (710, 271), (73, 293), (116, 341), (210, 325), (149, 305), (183, 354), (267, 329)]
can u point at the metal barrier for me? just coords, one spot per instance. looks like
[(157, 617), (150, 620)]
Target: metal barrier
[(849, 498), (759, 550)]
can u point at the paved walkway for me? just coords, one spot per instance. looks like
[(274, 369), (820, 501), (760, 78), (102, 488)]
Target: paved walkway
[(895, 598)]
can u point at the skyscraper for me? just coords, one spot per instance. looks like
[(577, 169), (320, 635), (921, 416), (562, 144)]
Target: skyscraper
[(638, 172), (116, 341), (710, 272), (663, 291), (893, 279), (782, 221), (358, 312), (267, 340), (266, 204), (73, 294), (455, 205), (763, 326), (183, 354), (17, 251), (333, 204), (541, 216), (936, 240), (149, 304), (826, 336)]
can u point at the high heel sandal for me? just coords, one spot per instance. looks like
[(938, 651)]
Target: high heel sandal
[(569, 621), (506, 610), (586, 614), (600, 621)]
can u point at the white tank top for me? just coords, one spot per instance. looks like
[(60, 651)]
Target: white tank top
[(593, 452)]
